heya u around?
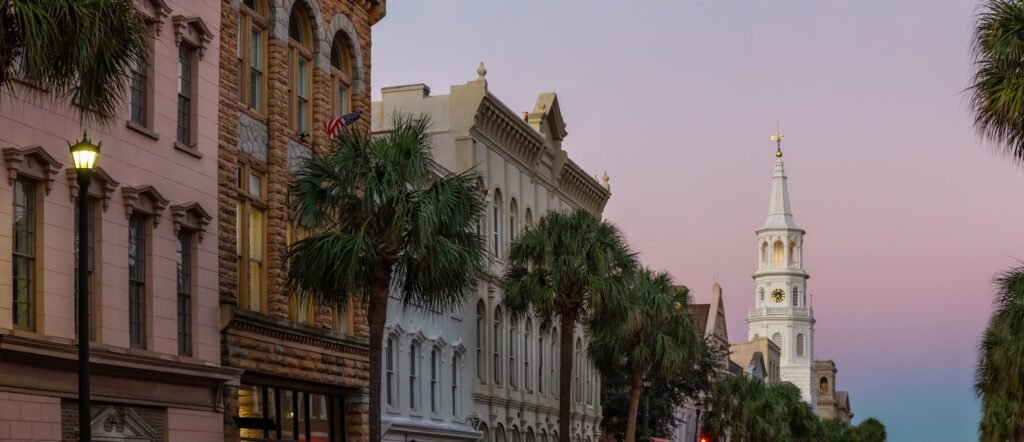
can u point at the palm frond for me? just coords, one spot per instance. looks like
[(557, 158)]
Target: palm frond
[(997, 86)]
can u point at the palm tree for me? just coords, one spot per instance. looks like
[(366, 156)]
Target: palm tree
[(997, 380), (746, 409), (655, 338), (869, 430), (383, 223), (997, 89), (81, 50), (569, 265)]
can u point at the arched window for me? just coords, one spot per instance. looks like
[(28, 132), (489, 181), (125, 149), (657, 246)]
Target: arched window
[(529, 217), (515, 434), (481, 338), (540, 360), (823, 386), (764, 254), (529, 435), (778, 255), (414, 379), (300, 72), (577, 361), (497, 224), (527, 346), (794, 258), (543, 435), (251, 54), (486, 433), (497, 345), (390, 387), (513, 348), (800, 344), (777, 339), (513, 220), (499, 433), (341, 75), (796, 295)]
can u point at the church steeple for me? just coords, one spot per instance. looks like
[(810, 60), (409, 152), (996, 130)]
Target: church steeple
[(780, 215)]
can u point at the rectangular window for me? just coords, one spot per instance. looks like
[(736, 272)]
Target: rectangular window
[(255, 267), (302, 94), (270, 413), (250, 238), (138, 94), (185, 293), (513, 378), (250, 53), (389, 369), (256, 69), (91, 250), (185, 93), (24, 254), (455, 384), (414, 355), (137, 280), (435, 371)]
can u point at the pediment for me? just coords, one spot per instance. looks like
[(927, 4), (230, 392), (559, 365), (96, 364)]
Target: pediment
[(417, 336), (145, 200), (101, 185), (33, 162), (459, 347), (154, 12), (190, 216), (547, 115), (121, 424), (194, 31), (439, 341)]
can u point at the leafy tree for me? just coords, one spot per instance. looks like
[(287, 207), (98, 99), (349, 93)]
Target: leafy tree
[(746, 409), (997, 380), (664, 396), (655, 338), (869, 430), (569, 265), (997, 89), (383, 222), (80, 50)]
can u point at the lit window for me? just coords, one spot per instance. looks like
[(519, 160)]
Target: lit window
[(249, 231), (24, 254)]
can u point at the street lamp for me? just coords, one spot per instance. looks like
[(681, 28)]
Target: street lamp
[(84, 154), (696, 432), (647, 407)]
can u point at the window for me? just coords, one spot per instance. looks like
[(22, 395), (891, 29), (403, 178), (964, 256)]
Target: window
[(456, 361), (185, 293), (186, 94), (778, 255), (796, 295), (481, 338), (794, 261), (777, 339), (251, 53), (513, 347), (823, 386), (24, 254), (290, 414), (529, 217), (497, 224), (90, 269), (300, 61), (499, 434), (414, 381), (579, 368), (800, 345), (540, 361), (513, 220), (137, 280), (389, 369), (341, 75), (527, 373), (761, 293), (435, 385), (554, 362), (249, 232), (497, 345), (589, 386), (300, 310), (764, 254), (139, 92)]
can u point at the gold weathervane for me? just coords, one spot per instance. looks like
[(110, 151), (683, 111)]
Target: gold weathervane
[(777, 138)]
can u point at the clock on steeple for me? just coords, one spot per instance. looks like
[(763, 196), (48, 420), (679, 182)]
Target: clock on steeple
[(778, 295)]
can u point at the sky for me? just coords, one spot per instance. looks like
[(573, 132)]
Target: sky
[(909, 215)]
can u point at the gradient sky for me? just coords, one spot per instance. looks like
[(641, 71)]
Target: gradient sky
[(908, 214)]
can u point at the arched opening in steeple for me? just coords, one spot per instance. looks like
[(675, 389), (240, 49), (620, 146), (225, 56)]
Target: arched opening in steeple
[(823, 386), (764, 254), (778, 255), (794, 255)]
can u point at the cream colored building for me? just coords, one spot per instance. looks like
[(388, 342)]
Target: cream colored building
[(758, 351), (474, 375)]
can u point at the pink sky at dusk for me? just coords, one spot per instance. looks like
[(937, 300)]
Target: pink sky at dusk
[(908, 214)]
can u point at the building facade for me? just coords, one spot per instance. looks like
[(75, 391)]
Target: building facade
[(288, 66), (474, 374), (781, 311), (832, 404), (156, 371), (762, 351), (709, 319)]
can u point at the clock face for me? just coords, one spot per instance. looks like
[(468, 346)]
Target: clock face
[(778, 295)]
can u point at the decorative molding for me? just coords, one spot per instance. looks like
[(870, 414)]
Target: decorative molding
[(193, 30), (509, 132), (154, 12), (190, 216), (143, 199), (101, 185), (249, 322), (32, 162)]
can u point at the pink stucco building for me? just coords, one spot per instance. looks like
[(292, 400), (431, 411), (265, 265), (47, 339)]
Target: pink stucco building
[(156, 371)]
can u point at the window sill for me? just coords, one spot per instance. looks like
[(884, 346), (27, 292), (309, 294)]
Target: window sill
[(191, 150), (142, 130), (251, 113), (415, 413)]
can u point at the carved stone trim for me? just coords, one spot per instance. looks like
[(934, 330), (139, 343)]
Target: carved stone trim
[(190, 216), (143, 199), (101, 186), (192, 30), (155, 12), (32, 162)]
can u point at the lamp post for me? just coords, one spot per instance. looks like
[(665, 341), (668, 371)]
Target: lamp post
[(647, 407), (696, 432), (84, 154)]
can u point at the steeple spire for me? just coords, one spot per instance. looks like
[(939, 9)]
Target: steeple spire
[(780, 215)]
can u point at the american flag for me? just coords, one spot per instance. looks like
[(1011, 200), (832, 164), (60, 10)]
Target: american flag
[(334, 125)]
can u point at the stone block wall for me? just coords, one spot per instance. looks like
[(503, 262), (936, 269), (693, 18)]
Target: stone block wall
[(25, 417)]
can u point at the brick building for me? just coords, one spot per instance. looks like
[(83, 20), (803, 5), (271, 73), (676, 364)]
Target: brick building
[(155, 350), (289, 65)]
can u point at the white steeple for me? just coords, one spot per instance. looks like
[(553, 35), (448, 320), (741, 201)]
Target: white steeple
[(780, 215)]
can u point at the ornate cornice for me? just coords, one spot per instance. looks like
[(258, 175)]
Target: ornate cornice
[(32, 161), (251, 322), (583, 188), (509, 132), (102, 186)]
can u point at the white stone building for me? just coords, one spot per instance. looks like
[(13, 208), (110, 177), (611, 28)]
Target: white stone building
[(474, 375), (781, 311)]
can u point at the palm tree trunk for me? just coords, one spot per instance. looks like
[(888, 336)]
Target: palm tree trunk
[(634, 405), (376, 316), (565, 377)]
